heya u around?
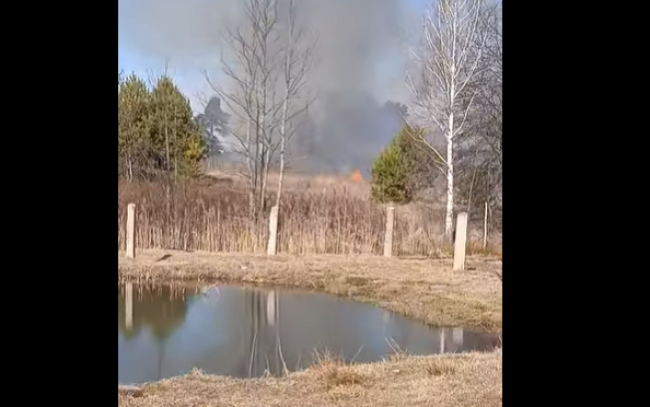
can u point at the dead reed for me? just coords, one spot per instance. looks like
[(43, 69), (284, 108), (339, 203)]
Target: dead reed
[(214, 217), (334, 371)]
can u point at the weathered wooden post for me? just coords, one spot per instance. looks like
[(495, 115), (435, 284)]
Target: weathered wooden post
[(272, 248), (388, 237), (130, 231), (485, 227), (461, 240)]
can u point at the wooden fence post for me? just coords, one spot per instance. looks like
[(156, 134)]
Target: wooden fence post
[(485, 227), (130, 231), (388, 237), (461, 240), (272, 248)]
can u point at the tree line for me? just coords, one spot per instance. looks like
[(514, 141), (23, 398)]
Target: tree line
[(455, 131), (266, 62), (158, 135)]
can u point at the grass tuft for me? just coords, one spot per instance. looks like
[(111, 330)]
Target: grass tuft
[(334, 371), (440, 366)]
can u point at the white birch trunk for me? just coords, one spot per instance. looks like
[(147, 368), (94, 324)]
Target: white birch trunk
[(449, 208), (448, 64)]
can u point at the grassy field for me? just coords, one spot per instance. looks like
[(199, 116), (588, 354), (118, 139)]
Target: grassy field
[(424, 289), (319, 215)]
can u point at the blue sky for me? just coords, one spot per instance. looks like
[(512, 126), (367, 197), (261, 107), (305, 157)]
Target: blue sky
[(191, 82), (129, 60)]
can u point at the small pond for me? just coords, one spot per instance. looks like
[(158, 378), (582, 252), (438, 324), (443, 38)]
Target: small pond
[(165, 331)]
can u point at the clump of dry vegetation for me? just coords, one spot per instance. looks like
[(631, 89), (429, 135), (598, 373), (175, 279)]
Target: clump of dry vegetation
[(440, 366), (472, 379), (212, 215), (334, 371)]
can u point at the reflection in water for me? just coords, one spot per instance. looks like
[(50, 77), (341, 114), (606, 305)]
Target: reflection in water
[(163, 332), (160, 310), (457, 336), (129, 306)]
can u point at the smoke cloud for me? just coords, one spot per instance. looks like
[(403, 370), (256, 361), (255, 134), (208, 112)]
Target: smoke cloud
[(360, 65)]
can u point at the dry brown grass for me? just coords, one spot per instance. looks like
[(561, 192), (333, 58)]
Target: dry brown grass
[(333, 372), (427, 290), (350, 184), (472, 379), (328, 215)]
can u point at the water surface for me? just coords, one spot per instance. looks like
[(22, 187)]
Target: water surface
[(227, 330)]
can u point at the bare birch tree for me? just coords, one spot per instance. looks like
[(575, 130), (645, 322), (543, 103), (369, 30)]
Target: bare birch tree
[(266, 71), (298, 61), (249, 63), (447, 61), (490, 98), (479, 163)]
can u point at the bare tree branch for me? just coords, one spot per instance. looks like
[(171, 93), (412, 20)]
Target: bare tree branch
[(265, 66), (448, 61)]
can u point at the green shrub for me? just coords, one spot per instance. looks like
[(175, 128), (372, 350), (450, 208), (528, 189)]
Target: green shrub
[(401, 169)]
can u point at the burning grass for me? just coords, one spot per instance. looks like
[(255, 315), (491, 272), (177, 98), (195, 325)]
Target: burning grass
[(327, 218)]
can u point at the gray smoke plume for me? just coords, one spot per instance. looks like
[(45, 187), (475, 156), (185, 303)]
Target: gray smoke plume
[(360, 43)]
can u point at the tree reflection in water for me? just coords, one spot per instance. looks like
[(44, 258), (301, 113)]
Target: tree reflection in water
[(162, 309), (246, 332), (261, 333)]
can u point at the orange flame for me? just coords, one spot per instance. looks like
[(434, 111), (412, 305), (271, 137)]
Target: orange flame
[(356, 176)]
